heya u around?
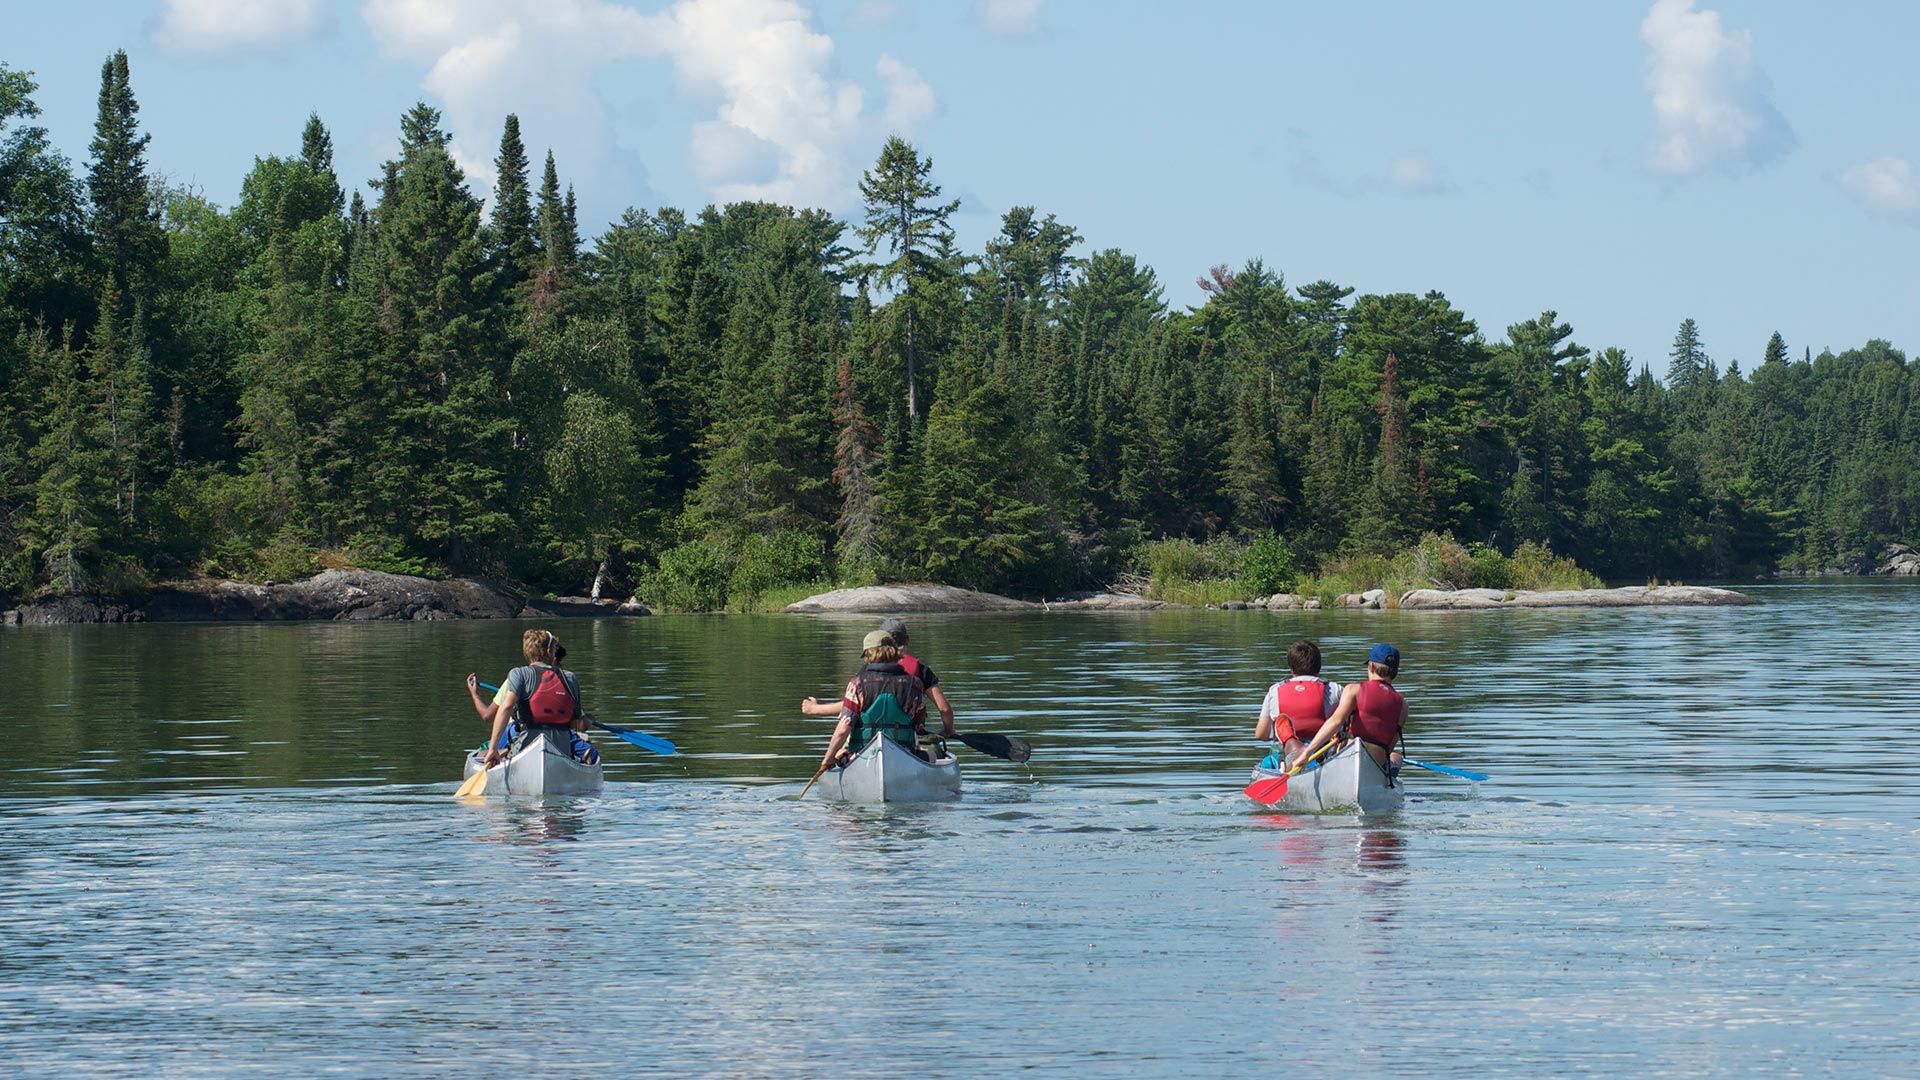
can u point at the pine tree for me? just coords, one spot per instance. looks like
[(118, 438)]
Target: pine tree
[(510, 235), (443, 436), (72, 499), (126, 223), (858, 524), (1690, 377), (1776, 350), (316, 146), (903, 217)]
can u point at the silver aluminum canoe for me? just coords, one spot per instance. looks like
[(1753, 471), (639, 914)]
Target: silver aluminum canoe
[(887, 772), (539, 768), (1349, 782)]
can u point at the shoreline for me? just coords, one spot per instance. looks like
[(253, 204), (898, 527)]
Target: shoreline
[(331, 595), (945, 599), (355, 595)]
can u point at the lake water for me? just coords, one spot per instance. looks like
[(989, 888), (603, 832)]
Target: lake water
[(233, 851)]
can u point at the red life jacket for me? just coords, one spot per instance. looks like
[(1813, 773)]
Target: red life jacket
[(1303, 701), (551, 704), (1378, 713), (911, 664)]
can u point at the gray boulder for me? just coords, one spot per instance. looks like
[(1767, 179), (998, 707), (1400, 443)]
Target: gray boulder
[(901, 599)]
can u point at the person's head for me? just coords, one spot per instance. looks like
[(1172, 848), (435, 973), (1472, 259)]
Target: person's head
[(1384, 661), (538, 646), (1303, 658), (896, 628), (878, 648)]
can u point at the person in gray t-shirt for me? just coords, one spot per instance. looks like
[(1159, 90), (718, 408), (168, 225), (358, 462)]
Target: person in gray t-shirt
[(543, 653)]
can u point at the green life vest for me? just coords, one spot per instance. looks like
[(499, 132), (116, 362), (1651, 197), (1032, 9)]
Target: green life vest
[(892, 702)]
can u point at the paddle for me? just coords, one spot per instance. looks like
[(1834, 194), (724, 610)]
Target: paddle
[(817, 774), (1447, 769), (638, 738), (1005, 747), (473, 785), (1274, 788)]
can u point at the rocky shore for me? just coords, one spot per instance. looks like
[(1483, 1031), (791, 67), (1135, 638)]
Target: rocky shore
[(1894, 560), (331, 594), (367, 595), (902, 599)]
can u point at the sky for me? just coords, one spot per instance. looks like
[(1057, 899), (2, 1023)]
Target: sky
[(1753, 166)]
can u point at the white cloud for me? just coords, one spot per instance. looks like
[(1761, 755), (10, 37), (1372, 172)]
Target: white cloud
[(909, 99), (873, 14), (211, 27), (784, 127), (1009, 18), (1887, 186), (1712, 103), (1416, 176)]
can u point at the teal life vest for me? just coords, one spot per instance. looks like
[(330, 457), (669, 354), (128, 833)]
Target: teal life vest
[(891, 705)]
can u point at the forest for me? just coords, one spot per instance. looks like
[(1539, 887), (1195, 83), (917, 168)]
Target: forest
[(704, 408)]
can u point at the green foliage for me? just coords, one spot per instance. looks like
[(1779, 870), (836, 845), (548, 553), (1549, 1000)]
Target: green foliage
[(691, 577), (385, 553), (1182, 571), (1535, 566), (1269, 566), (393, 378), (767, 561), (1488, 568)]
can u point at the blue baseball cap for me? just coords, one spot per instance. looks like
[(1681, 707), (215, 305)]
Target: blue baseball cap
[(1383, 653)]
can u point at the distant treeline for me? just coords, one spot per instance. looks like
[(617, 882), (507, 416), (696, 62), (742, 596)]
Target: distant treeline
[(706, 408)]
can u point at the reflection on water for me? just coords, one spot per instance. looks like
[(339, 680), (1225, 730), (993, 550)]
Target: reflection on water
[(232, 851)]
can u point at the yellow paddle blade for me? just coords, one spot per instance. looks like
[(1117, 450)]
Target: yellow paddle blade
[(474, 785)]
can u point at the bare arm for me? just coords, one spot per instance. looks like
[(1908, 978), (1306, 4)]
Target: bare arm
[(484, 708), (812, 706), (841, 733), (946, 711), (502, 710)]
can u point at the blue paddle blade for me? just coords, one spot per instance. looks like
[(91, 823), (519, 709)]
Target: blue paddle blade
[(1449, 770), (639, 738)]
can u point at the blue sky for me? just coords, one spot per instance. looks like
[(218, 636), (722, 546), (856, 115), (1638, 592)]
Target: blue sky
[(1753, 166)]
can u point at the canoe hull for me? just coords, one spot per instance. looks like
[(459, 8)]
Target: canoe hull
[(539, 768), (1350, 782), (886, 772)]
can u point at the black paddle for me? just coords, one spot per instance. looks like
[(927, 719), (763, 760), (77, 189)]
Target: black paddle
[(1005, 747)]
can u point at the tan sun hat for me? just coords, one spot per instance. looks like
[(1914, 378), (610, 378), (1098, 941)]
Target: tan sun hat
[(874, 640)]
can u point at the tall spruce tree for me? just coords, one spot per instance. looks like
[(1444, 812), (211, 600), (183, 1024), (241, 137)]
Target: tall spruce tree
[(510, 236), (904, 218), (125, 220)]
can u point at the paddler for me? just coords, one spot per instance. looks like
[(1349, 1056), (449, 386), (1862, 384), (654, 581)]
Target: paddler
[(896, 628), (881, 697), (1373, 710), (1294, 708), (540, 698)]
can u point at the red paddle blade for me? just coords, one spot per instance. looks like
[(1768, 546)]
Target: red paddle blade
[(1270, 790)]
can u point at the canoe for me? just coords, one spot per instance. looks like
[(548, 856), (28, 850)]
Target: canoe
[(887, 772), (539, 767), (1348, 782)]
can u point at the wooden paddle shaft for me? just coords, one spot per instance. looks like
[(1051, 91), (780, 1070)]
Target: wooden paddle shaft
[(818, 773)]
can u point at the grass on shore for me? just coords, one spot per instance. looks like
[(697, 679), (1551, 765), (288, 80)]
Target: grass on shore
[(1182, 572)]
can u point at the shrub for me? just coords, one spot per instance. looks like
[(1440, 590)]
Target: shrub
[(692, 576), (1269, 566), (766, 561), (1439, 562), (1490, 569), (385, 554), (1169, 563), (1535, 566)]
